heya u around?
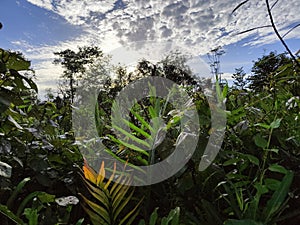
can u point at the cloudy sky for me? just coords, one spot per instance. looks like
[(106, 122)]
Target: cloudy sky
[(40, 27)]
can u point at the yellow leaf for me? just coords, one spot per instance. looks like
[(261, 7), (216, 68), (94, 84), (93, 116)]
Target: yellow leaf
[(101, 174), (111, 177), (89, 173)]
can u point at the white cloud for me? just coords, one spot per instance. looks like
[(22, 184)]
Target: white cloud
[(196, 25), (42, 3), (201, 24), (76, 11), (227, 76)]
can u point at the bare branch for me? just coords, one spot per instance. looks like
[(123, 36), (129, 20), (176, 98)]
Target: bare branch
[(291, 30), (236, 8), (274, 4), (246, 31), (278, 35)]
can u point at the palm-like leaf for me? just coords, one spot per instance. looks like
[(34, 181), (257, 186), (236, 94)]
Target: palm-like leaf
[(109, 199), (144, 132)]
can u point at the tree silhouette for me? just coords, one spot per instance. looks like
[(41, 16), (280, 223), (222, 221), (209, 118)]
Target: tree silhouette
[(74, 64), (264, 71), (239, 78)]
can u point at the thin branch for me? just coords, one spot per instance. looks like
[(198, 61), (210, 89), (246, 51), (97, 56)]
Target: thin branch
[(274, 4), (246, 31), (278, 35), (291, 30), (236, 8)]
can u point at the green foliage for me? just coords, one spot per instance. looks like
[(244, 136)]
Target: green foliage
[(242, 222), (33, 143), (239, 78), (12, 61), (264, 71), (171, 219), (244, 178), (5, 211), (34, 208), (252, 181), (74, 64)]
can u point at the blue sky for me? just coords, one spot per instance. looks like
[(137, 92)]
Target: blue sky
[(40, 27)]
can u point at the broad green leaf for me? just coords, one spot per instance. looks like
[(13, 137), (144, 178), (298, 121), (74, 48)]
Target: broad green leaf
[(261, 189), (260, 141), (275, 124), (278, 197), (272, 184), (252, 159), (45, 197), (14, 60), (277, 168), (32, 216), (262, 125)]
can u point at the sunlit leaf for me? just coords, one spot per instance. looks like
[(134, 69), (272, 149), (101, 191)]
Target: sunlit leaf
[(12, 120), (5, 170), (275, 124)]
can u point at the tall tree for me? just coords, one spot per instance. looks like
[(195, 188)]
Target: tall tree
[(75, 64), (264, 70), (239, 78)]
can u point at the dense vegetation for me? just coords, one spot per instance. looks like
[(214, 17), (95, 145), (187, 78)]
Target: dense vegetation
[(44, 178)]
